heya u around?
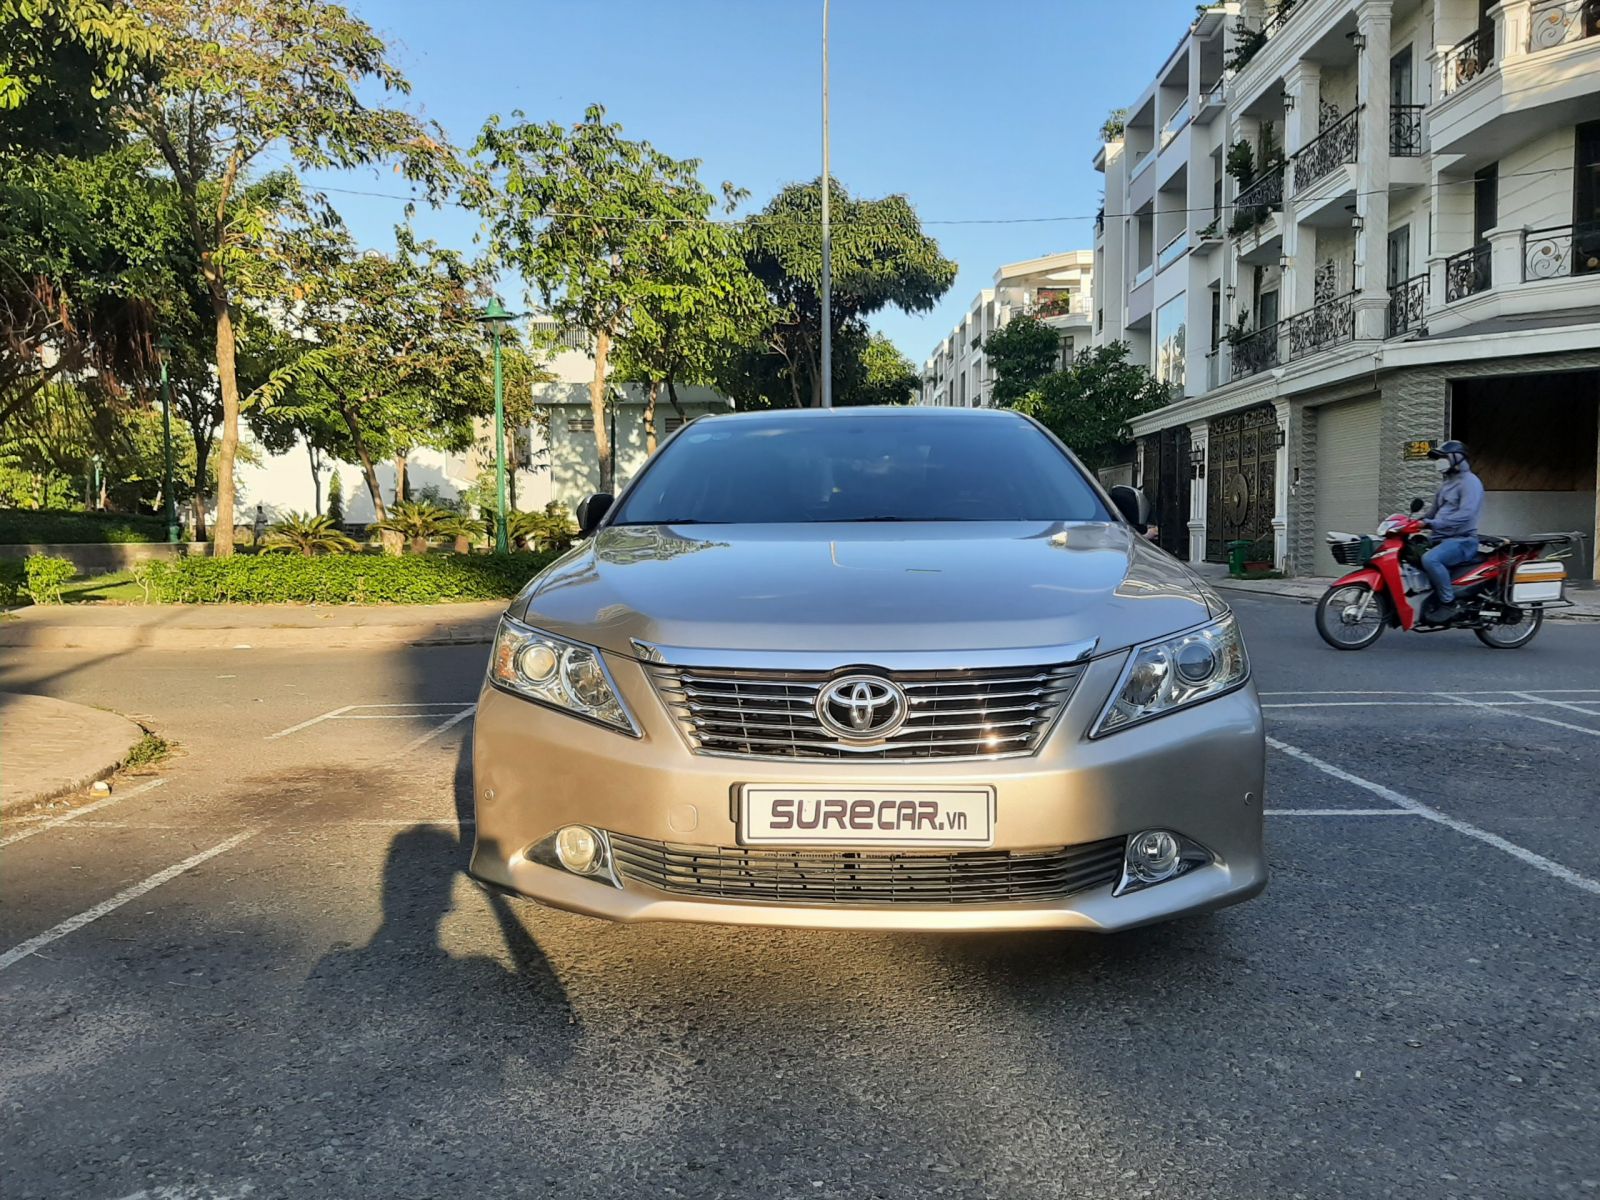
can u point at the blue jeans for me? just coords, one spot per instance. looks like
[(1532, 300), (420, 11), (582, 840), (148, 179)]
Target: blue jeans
[(1450, 552)]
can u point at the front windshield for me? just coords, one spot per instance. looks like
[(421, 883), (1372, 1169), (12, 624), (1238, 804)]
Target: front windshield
[(789, 469)]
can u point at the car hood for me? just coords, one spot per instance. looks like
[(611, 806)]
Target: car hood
[(865, 588)]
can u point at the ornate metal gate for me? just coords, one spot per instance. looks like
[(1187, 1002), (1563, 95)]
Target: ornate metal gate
[(1240, 472), (1166, 483)]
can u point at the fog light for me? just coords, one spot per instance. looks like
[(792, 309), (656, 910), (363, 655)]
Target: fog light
[(578, 848), (1153, 856)]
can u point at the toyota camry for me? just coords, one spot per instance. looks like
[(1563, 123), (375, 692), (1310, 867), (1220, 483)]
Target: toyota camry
[(897, 668)]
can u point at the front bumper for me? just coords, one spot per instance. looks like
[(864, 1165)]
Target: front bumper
[(1199, 772)]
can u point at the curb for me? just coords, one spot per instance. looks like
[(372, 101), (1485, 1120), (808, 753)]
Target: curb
[(120, 639), (100, 727)]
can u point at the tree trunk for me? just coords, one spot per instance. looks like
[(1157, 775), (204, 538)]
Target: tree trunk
[(316, 479), (391, 541), (650, 417), (202, 454), (228, 385), (400, 479), (672, 395), (597, 407)]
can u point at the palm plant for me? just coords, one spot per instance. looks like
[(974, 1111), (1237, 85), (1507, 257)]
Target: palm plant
[(420, 522), (308, 535), (551, 529)]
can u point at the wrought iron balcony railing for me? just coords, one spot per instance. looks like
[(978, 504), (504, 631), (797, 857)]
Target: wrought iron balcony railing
[(1254, 352), (1405, 130), (1326, 324), (1554, 23), (1263, 195), (1329, 150), (1468, 58), (1561, 251), (1467, 273), (1408, 300)]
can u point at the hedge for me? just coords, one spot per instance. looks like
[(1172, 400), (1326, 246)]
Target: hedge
[(13, 577), (342, 578), (34, 526)]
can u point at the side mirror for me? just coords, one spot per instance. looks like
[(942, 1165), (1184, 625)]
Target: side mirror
[(592, 510), (1133, 506), (1418, 504)]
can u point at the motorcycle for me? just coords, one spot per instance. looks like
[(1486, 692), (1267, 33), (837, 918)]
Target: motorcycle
[(1502, 592)]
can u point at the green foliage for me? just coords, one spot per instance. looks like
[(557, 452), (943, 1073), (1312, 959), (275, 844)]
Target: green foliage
[(1022, 353), (13, 577), (420, 522), (147, 751), (47, 527), (1112, 127), (336, 499), (1241, 162), (308, 535), (1090, 403), (552, 529), (344, 578), (46, 574), (876, 373)]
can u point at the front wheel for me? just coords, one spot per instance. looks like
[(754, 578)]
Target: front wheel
[(1351, 616), (1516, 630)]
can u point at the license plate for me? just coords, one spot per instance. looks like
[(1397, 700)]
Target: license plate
[(827, 816)]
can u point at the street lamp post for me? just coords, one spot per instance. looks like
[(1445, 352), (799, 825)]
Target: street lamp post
[(827, 240), (164, 352), (497, 319)]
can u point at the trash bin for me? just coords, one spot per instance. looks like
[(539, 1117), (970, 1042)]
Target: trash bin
[(1236, 554)]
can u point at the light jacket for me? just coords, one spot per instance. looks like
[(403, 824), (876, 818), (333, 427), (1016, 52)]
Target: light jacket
[(1456, 505)]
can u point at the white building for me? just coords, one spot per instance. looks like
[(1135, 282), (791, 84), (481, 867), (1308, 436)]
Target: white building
[(1057, 288), (1413, 254)]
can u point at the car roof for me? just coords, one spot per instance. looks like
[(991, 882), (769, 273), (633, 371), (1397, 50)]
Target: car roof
[(879, 411)]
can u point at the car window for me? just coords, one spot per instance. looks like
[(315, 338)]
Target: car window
[(871, 468)]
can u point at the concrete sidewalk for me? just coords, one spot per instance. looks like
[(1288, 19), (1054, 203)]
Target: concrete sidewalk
[(1585, 597), (119, 627), (49, 748)]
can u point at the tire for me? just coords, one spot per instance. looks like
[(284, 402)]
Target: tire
[(1337, 602), (1515, 636)]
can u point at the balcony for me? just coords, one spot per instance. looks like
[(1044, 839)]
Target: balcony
[(1144, 275), (1329, 150), (1553, 23), (1253, 353), (1468, 59), (1408, 301), (1405, 130), (1175, 122), (1326, 324), (1173, 251), (1264, 195), (1249, 41), (1212, 101), (1467, 273), (1561, 251)]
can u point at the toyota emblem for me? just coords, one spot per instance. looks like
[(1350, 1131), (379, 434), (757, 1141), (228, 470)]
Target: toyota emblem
[(861, 708)]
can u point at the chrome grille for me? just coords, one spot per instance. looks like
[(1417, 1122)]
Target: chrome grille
[(867, 877), (978, 713)]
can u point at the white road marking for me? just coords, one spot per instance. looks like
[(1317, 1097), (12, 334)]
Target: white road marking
[(1526, 716), (1548, 866), (418, 742), (34, 944), (52, 822), (1576, 707), (308, 724), (1341, 812)]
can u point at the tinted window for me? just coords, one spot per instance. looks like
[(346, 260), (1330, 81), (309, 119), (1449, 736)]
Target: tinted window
[(896, 468)]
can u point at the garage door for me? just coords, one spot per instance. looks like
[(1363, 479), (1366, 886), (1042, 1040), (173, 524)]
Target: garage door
[(1347, 473)]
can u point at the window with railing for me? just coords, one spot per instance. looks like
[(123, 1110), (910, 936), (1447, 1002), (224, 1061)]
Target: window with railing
[(1323, 325), (1173, 251), (1329, 150), (1554, 23), (1467, 273), (1408, 300), (1468, 59), (1251, 353), (1405, 130), (1561, 251)]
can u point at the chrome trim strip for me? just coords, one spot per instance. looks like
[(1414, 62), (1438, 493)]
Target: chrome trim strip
[(834, 660)]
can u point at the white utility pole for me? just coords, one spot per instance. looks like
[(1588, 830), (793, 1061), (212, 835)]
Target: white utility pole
[(827, 237)]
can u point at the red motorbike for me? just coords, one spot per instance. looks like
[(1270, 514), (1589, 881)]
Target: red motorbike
[(1502, 593)]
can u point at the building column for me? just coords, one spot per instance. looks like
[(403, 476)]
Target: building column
[(1280, 489), (1303, 82), (1198, 440), (1505, 257), (1372, 170)]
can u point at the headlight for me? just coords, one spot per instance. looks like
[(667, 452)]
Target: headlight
[(1176, 672), (565, 675)]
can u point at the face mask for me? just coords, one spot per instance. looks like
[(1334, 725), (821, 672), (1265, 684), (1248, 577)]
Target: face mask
[(1442, 465)]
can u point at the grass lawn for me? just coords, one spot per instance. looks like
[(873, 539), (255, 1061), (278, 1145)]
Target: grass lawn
[(118, 586)]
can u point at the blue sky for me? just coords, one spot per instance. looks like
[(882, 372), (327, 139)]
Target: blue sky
[(974, 111)]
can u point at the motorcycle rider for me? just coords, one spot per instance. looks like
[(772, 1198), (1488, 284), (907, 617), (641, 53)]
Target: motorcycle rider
[(1453, 521)]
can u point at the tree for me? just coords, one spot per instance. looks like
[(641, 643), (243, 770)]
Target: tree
[(336, 499), (588, 215), (877, 373), (1090, 403), (1022, 353), (880, 257), (237, 77), (308, 535)]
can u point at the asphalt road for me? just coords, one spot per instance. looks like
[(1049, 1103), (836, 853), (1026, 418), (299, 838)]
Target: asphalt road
[(287, 988)]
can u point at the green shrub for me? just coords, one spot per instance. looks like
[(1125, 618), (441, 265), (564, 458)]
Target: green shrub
[(24, 527), (46, 574), (344, 578), (12, 578)]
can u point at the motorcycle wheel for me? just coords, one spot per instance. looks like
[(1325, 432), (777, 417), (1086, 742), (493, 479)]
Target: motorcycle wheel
[(1336, 616), (1501, 636)]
